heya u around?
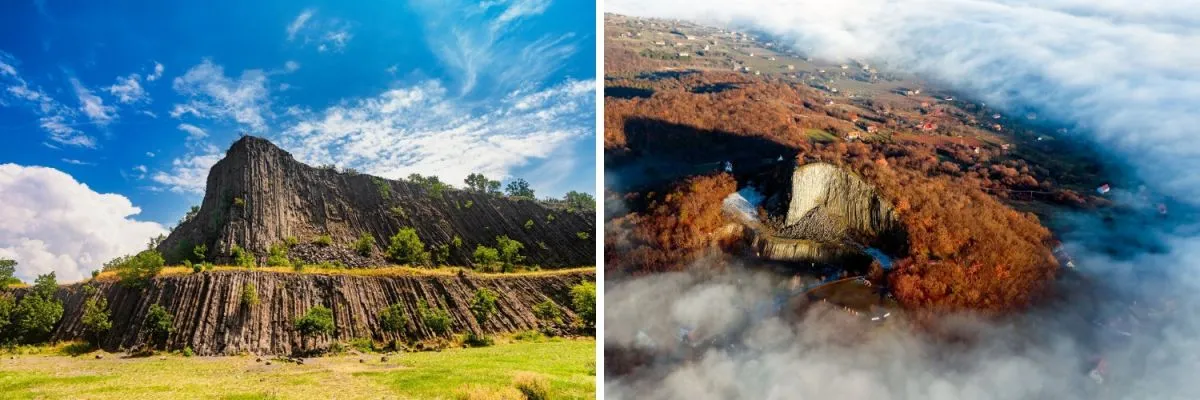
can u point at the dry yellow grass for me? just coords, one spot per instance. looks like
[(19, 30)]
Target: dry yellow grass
[(387, 271)]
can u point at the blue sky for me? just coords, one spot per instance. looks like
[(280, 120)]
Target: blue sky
[(134, 101)]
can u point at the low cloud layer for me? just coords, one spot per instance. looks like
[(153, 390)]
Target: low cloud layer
[(1122, 70), (49, 222), (1121, 73)]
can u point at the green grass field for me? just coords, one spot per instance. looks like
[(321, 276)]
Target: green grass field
[(567, 364)]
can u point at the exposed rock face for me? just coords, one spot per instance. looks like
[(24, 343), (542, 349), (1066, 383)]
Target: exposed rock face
[(828, 215), (258, 196), (839, 201), (209, 317)]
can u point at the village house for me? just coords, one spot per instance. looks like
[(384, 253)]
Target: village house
[(660, 43), (684, 55), (791, 67)]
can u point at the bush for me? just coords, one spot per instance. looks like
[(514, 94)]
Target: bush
[(95, 319), (277, 256), (483, 305), (486, 256), (441, 254), (393, 318), (548, 311), (249, 295), (436, 319), (519, 188), (457, 242), (583, 300), (159, 324), (472, 339), (407, 249), (363, 345), (323, 241), (582, 235), (528, 224), (136, 271), (197, 267), (187, 351), (533, 386), (239, 202), (317, 321), (469, 204), (199, 253), (242, 258), (365, 245), (529, 336), (385, 189), (510, 251)]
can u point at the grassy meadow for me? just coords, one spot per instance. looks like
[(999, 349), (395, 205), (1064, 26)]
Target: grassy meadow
[(566, 367)]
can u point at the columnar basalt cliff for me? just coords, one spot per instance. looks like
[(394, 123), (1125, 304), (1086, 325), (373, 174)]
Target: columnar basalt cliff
[(259, 196), (210, 318)]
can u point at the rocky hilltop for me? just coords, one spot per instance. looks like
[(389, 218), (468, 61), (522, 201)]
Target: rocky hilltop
[(210, 318), (259, 196)]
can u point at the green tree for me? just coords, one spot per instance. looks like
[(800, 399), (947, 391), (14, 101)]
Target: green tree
[(393, 318), (486, 256), (8, 271), (45, 285), (579, 201), (436, 319), (483, 305), (365, 244), (317, 321), (95, 319), (136, 271), (406, 248), (481, 184), (249, 295), (36, 314), (159, 324), (510, 251), (199, 253), (583, 301), (191, 214), (7, 308), (519, 188)]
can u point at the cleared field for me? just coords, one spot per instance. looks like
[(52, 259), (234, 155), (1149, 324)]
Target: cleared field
[(567, 364)]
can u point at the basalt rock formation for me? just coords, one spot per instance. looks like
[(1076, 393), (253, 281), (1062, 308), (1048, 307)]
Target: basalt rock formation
[(259, 196), (210, 318), (828, 214)]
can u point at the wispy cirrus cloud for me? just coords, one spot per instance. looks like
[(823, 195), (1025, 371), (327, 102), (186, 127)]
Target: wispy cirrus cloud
[(479, 43), (128, 89), (194, 132), (213, 95), (189, 173), (327, 34), (54, 118), (423, 129), (93, 106)]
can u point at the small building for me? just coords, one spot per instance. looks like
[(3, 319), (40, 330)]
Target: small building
[(928, 126), (684, 55), (771, 58), (995, 116), (660, 43), (791, 67), (1103, 189), (706, 47), (872, 129)]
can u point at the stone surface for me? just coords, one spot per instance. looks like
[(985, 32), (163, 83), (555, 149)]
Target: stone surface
[(209, 317), (259, 196), (828, 202)]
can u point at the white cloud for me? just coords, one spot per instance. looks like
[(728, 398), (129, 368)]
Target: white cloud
[(158, 73), (213, 95), (189, 174), (150, 154), (49, 222), (420, 129), (481, 47), (93, 106), (291, 66), (328, 34), (298, 23), (194, 132), (53, 117), (141, 170), (76, 162), (128, 90)]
